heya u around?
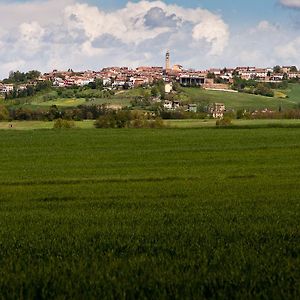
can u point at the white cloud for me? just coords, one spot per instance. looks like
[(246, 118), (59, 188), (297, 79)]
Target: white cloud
[(291, 3), (62, 34), (267, 26), (129, 26), (31, 35), (73, 34), (289, 51)]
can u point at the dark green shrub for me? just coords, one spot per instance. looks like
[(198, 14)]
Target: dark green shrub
[(61, 123), (226, 121)]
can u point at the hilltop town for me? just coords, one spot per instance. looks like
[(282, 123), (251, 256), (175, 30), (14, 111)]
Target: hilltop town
[(159, 90), (125, 77)]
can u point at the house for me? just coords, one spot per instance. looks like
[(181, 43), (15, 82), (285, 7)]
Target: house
[(2, 88), (192, 108), (7, 88), (177, 68), (217, 72), (171, 105), (168, 87), (294, 75), (217, 110), (168, 104), (176, 104)]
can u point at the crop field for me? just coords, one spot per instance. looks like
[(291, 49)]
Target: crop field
[(210, 123), (33, 125), (184, 123), (150, 214)]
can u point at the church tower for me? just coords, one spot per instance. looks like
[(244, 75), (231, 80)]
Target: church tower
[(168, 61)]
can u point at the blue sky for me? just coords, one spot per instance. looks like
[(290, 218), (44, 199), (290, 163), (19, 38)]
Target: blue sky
[(237, 12), (91, 34)]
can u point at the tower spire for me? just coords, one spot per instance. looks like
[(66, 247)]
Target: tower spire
[(168, 60)]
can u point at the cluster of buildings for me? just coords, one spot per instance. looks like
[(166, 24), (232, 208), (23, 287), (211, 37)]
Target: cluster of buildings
[(9, 87), (124, 77), (120, 77), (114, 78)]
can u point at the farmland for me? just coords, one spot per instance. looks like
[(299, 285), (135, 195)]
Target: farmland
[(156, 214), (185, 123), (246, 101)]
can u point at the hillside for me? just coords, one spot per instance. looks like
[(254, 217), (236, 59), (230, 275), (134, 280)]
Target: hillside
[(245, 101), (287, 99)]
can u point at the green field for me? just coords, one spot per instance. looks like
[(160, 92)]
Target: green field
[(245, 101), (185, 123), (64, 102), (32, 125), (194, 123), (150, 214)]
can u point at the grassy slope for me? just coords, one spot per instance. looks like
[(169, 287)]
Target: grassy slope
[(178, 214), (293, 93), (38, 101), (60, 102), (231, 100), (242, 100)]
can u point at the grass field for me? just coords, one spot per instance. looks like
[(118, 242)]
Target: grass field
[(32, 125), (189, 123), (150, 214), (63, 102), (245, 101), (239, 123)]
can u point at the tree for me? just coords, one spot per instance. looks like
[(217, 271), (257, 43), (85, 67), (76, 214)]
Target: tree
[(154, 91), (99, 84), (60, 123), (30, 90), (43, 85), (211, 75), (277, 69), (32, 75), (293, 69), (4, 113)]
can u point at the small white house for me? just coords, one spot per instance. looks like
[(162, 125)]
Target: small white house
[(192, 108), (168, 104), (218, 110), (168, 87)]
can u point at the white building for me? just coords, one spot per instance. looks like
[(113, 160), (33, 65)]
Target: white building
[(168, 87)]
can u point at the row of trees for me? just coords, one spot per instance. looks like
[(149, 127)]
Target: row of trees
[(22, 78), (257, 88), (288, 114), (83, 112)]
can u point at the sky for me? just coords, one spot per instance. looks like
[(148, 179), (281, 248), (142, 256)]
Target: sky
[(200, 34)]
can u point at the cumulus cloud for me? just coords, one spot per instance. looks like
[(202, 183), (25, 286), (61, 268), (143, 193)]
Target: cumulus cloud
[(62, 34), (291, 3), (71, 33)]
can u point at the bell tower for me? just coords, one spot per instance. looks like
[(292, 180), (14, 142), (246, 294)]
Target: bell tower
[(168, 61)]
